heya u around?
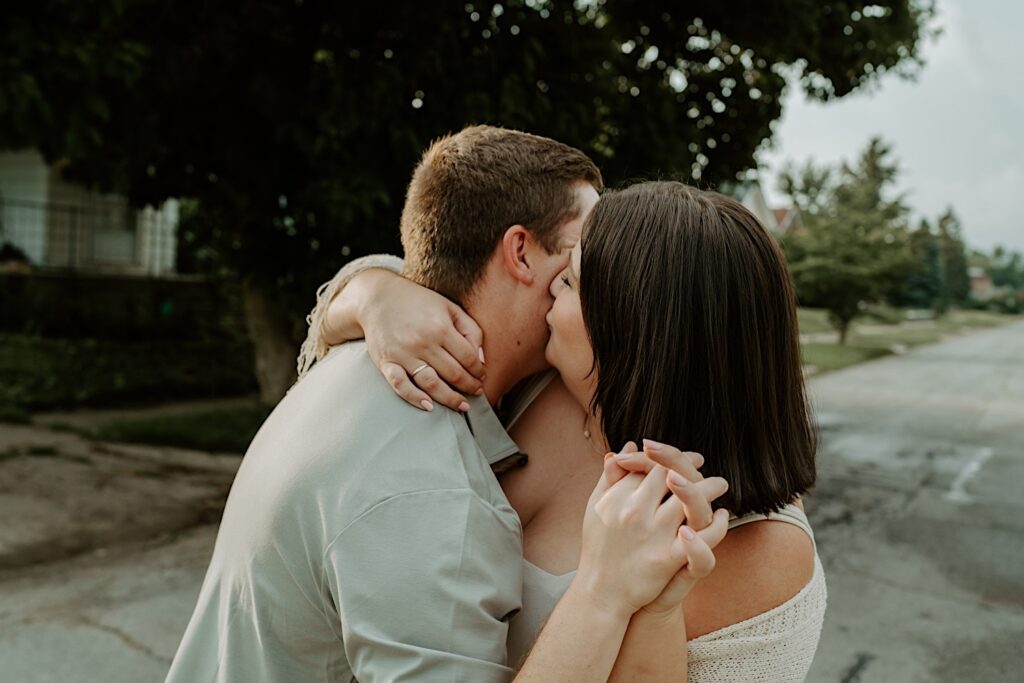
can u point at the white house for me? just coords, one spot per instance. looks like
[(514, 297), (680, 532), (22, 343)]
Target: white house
[(60, 224), (751, 195)]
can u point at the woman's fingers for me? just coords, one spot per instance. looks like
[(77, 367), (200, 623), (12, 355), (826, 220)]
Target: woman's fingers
[(653, 488), (694, 498), (428, 380), (610, 476), (613, 472), (686, 463), (717, 530), (399, 380), (468, 348), (700, 559), (450, 371)]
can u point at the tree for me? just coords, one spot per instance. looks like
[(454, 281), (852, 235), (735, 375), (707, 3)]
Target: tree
[(924, 284), (293, 126), (855, 246), (1007, 269), (954, 260)]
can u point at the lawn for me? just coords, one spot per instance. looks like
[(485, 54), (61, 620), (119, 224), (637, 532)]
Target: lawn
[(870, 339), (813, 321), (825, 357)]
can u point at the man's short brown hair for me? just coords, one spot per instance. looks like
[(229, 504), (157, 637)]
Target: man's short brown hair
[(469, 188)]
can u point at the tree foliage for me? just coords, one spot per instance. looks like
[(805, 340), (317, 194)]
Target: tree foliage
[(953, 251), (856, 244), (924, 284), (293, 126)]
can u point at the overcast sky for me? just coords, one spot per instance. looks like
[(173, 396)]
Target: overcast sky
[(958, 130)]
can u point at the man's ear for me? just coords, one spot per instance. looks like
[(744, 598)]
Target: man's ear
[(515, 254)]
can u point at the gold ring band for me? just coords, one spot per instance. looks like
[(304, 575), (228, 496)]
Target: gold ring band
[(418, 370)]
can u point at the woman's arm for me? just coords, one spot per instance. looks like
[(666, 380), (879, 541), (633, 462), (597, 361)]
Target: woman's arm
[(406, 327), (637, 560), (655, 645), (316, 345), (654, 649)]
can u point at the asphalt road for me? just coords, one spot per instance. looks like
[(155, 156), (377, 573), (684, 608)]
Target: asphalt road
[(919, 515)]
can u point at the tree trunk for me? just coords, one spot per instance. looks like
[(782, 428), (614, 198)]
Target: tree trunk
[(844, 328), (273, 347)]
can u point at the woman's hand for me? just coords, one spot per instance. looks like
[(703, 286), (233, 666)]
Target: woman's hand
[(684, 479), (407, 327), (700, 560), (633, 546)]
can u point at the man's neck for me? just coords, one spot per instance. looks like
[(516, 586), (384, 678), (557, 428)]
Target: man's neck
[(505, 365)]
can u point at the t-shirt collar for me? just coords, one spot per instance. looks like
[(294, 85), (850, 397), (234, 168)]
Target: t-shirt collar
[(490, 435)]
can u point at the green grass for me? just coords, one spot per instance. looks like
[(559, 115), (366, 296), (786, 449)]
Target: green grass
[(829, 357), (958, 320), (218, 430), (813, 321), (872, 338)]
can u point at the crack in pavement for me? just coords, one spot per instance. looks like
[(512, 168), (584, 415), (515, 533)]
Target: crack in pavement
[(132, 643)]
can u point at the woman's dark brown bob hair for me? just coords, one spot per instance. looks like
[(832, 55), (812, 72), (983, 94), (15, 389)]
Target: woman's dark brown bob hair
[(691, 313)]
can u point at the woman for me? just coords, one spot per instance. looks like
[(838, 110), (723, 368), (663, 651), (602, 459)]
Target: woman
[(675, 320)]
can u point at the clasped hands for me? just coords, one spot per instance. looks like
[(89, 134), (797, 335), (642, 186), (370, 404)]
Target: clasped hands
[(649, 530)]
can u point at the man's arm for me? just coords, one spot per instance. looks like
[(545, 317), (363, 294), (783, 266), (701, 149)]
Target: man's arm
[(424, 583)]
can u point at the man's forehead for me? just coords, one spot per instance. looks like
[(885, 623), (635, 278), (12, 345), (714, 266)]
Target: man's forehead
[(572, 231)]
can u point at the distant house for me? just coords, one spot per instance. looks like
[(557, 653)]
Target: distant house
[(982, 288), (59, 224), (779, 221), (788, 220)]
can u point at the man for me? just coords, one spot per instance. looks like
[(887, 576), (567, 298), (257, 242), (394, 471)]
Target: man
[(365, 539), (360, 520)]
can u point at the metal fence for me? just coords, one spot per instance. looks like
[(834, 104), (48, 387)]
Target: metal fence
[(106, 236)]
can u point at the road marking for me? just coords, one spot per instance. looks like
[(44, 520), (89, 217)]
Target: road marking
[(958, 489)]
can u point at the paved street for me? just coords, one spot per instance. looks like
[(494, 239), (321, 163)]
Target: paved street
[(919, 516)]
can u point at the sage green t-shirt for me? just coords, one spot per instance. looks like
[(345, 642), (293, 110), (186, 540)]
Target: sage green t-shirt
[(363, 539)]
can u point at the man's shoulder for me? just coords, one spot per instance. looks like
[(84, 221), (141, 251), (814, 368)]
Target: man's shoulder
[(342, 432)]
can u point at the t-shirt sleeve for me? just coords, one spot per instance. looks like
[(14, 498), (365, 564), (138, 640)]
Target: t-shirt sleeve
[(425, 584)]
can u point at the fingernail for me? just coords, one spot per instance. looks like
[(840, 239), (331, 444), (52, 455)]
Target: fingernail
[(479, 392), (481, 349), (687, 533), (652, 445), (677, 479), (609, 454), (623, 456), (427, 405), (464, 407)]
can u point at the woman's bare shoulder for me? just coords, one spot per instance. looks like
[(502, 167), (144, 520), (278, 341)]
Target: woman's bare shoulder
[(759, 566)]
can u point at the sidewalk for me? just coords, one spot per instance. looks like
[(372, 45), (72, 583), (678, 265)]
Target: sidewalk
[(61, 494)]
